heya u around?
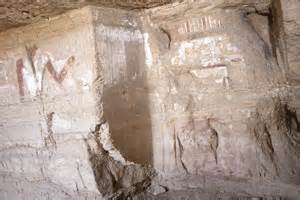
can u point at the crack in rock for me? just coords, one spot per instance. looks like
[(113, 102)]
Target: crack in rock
[(213, 140), (107, 144), (181, 155), (50, 138), (116, 178)]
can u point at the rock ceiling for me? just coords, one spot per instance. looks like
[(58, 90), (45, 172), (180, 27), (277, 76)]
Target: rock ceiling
[(15, 13), (20, 12)]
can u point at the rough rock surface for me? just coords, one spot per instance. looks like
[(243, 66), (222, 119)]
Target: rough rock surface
[(20, 12), (53, 96), (190, 100), (291, 23)]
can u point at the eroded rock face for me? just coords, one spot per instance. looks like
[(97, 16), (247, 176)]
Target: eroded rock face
[(194, 100), (39, 70), (213, 77), (291, 23), (15, 13), (52, 92)]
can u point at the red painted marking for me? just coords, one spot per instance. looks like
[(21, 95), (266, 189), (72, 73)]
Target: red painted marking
[(59, 77), (20, 67)]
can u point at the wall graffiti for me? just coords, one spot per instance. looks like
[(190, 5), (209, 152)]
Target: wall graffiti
[(31, 74)]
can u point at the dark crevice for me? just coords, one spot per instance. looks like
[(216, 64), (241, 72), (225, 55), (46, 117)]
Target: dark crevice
[(181, 155), (115, 180), (214, 140), (268, 48), (168, 35)]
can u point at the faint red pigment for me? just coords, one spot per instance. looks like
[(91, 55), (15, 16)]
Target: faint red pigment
[(20, 66), (58, 77)]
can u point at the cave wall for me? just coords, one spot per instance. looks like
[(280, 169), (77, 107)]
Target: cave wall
[(291, 28), (207, 98), (121, 52), (211, 82), (291, 25), (47, 108), (72, 88)]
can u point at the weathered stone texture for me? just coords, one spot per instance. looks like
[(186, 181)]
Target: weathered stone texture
[(47, 97), (15, 13), (205, 92), (291, 23), (120, 53), (55, 76), (210, 80)]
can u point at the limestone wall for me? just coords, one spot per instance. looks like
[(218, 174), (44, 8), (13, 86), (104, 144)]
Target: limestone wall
[(201, 96), (291, 23), (213, 83), (121, 55), (47, 106), (73, 88)]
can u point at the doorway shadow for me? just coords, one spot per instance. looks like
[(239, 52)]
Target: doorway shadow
[(126, 107)]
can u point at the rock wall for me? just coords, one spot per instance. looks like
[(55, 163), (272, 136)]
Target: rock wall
[(56, 80), (291, 24), (47, 107), (121, 55), (216, 95), (291, 27), (206, 95)]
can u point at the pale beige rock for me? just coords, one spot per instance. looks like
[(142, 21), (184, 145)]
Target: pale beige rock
[(190, 100)]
